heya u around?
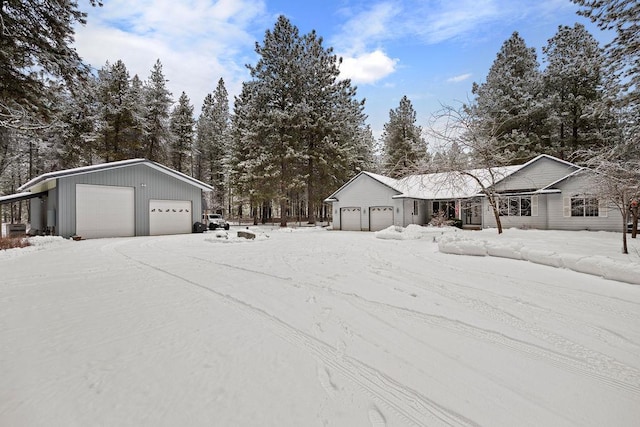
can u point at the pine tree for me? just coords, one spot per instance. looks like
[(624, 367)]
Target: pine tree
[(249, 155), (573, 85), (182, 127), (211, 149), (299, 122), (71, 143), (623, 53), (36, 40), (332, 122), (404, 147), (508, 105), (204, 136), (119, 128), (157, 100), (138, 131)]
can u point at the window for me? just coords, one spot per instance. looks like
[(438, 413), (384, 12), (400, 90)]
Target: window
[(584, 206), (415, 207), (446, 209), (515, 206)]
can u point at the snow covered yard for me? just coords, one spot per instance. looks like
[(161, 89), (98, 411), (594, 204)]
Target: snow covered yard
[(310, 327)]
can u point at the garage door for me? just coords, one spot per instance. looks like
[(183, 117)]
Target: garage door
[(350, 219), (380, 217), (169, 217), (104, 211)]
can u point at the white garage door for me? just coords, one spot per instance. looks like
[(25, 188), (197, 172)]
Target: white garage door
[(105, 211), (350, 219), (169, 217), (380, 217)]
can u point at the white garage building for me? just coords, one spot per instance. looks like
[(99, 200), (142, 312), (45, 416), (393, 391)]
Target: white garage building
[(127, 198)]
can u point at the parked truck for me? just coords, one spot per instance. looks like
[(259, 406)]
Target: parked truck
[(214, 221)]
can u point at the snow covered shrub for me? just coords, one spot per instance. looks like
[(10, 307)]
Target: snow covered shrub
[(440, 220), (13, 242)]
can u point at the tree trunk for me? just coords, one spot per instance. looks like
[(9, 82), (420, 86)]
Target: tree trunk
[(496, 213), (311, 209), (283, 212)]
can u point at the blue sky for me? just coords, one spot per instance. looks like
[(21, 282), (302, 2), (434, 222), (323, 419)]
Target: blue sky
[(429, 50)]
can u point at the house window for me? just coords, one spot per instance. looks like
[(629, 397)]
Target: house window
[(446, 209), (584, 206), (515, 206), (415, 207)]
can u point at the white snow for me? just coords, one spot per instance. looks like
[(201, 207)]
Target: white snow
[(308, 327)]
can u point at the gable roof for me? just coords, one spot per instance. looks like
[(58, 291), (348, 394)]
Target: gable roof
[(564, 178), (384, 180), (538, 158), (47, 177)]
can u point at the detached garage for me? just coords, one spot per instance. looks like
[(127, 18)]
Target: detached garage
[(120, 199)]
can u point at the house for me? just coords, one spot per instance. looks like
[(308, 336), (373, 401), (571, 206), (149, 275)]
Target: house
[(544, 193), (134, 197)]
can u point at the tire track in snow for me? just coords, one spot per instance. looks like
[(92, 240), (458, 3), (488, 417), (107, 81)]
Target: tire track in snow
[(553, 290), (572, 356), (408, 404), (564, 361)]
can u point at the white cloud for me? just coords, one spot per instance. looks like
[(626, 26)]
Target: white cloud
[(460, 78), (367, 67), (367, 27), (197, 41)]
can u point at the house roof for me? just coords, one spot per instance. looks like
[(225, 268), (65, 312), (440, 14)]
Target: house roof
[(452, 185), (47, 177), (443, 185), (571, 175), (543, 156), (385, 180)]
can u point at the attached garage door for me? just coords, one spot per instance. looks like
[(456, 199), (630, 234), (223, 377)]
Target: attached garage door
[(350, 219), (169, 217), (380, 218), (104, 211)]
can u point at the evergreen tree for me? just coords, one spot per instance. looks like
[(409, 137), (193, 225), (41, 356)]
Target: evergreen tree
[(404, 147), (182, 127), (204, 136), (72, 141), (212, 148), (298, 121), (249, 155), (218, 152), (138, 132), (119, 128), (157, 100), (332, 128), (36, 40), (623, 53), (508, 105), (574, 92)]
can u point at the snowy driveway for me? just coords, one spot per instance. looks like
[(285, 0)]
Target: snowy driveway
[(309, 328)]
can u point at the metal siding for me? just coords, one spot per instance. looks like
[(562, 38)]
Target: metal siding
[(149, 184), (535, 176)]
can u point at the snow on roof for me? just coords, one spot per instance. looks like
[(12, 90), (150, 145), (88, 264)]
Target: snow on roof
[(451, 185), (442, 185), (388, 181), (17, 197), (113, 165)]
